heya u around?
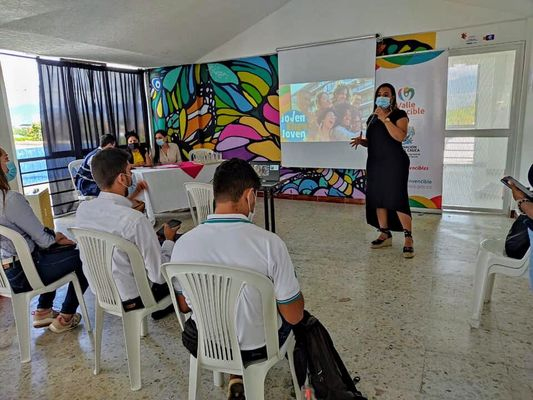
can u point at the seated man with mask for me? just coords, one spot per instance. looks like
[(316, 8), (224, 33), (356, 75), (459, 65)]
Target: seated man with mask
[(112, 212), (228, 237)]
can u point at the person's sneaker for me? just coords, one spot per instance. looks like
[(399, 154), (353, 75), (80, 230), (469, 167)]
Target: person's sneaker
[(43, 319), (59, 325), (236, 389)]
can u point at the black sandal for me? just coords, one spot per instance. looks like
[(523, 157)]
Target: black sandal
[(379, 243), (408, 251)]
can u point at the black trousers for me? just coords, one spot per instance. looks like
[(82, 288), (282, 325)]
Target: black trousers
[(159, 290), (189, 339)]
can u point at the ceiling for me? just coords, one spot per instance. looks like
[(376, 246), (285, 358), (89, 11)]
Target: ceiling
[(146, 33), (135, 32)]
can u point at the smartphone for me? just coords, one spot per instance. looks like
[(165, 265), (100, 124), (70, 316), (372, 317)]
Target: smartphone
[(509, 179), (172, 223)]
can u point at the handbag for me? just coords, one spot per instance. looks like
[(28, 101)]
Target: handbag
[(517, 240)]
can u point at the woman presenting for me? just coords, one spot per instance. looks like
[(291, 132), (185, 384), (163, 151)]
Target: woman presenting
[(387, 201)]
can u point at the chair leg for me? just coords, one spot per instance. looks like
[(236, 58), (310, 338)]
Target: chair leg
[(489, 287), (132, 336), (144, 326), (194, 378), (290, 356), (99, 325), (480, 282), (218, 379), (83, 307), (254, 384), (21, 309)]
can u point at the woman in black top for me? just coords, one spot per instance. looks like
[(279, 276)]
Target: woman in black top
[(387, 201)]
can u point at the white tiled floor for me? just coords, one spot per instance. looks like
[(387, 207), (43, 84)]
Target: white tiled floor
[(401, 325)]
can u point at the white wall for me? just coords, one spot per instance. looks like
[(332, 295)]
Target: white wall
[(304, 21), (6, 135)]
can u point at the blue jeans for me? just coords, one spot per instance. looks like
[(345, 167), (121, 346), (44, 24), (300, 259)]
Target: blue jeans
[(51, 267), (530, 259)]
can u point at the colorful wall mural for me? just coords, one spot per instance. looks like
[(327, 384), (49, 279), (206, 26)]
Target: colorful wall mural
[(406, 44), (231, 107)]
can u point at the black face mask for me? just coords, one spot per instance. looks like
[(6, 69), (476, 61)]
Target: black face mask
[(530, 175), (133, 146)]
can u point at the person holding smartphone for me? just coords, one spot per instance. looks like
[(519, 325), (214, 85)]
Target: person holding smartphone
[(525, 206), (387, 201), (112, 212)]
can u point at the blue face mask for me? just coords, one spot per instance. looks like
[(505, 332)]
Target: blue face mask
[(11, 171), (383, 102), (160, 142)]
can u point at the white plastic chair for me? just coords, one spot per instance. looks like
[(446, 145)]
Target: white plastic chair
[(491, 261), (202, 155), (73, 168), (97, 249), (213, 291), (200, 197), (21, 301)]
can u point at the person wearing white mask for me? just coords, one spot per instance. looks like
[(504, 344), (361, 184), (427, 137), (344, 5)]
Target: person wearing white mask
[(387, 170), (165, 152), (53, 253), (112, 212), (229, 237)]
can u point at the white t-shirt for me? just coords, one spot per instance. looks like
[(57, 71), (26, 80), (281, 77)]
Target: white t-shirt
[(232, 240), (112, 213)]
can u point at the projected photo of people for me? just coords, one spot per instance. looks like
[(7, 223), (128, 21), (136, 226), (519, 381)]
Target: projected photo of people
[(327, 111)]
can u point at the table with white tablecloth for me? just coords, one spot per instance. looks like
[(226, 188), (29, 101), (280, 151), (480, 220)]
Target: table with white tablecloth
[(166, 191)]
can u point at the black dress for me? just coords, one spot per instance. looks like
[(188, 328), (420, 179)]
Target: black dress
[(387, 169)]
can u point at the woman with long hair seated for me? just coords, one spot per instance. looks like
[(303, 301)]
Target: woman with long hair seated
[(165, 152), (139, 154), (53, 253)]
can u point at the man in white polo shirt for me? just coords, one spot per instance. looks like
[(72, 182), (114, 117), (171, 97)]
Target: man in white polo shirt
[(112, 212), (228, 237)]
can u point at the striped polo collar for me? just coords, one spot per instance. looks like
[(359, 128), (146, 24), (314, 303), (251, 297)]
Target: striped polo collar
[(226, 219)]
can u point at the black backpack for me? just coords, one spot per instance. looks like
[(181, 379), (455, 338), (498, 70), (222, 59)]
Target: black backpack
[(315, 354), (517, 241)]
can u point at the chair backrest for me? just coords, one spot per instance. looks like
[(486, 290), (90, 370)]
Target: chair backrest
[(497, 247), (73, 168), (200, 197), (202, 155), (26, 261), (213, 291), (97, 254)]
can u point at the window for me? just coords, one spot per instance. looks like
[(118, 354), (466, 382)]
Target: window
[(22, 87), (479, 90)]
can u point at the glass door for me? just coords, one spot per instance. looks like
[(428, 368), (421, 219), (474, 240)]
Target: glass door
[(481, 123)]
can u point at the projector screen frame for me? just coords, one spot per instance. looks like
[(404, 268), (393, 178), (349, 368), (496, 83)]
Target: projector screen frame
[(326, 42)]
